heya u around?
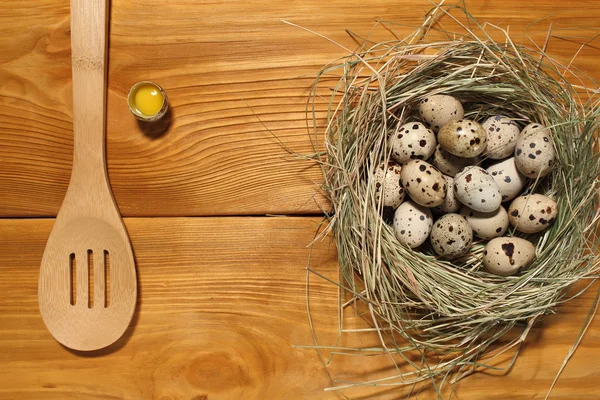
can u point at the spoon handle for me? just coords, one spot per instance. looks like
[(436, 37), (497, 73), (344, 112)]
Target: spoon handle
[(89, 54)]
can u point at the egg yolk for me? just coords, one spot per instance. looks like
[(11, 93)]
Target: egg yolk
[(148, 100)]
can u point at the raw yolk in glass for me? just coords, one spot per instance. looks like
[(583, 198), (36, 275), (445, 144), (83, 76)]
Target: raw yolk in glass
[(148, 100)]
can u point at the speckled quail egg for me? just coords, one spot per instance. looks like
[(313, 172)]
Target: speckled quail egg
[(387, 181), (506, 255), (475, 188), (508, 177), (451, 236), (450, 204), (424, 183), (450, 164), (463, 138), (412, 141), (532, 213), (502, 134), (412, 224), (486, 225), (439, 109), (534, 151)]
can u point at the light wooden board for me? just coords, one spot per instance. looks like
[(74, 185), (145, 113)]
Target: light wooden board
[(221, 305), (232, 71)]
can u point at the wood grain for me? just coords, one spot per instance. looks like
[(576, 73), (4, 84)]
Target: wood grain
[(236, 76), (221, 308)]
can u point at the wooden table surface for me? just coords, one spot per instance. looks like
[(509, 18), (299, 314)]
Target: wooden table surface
[(222, 283)]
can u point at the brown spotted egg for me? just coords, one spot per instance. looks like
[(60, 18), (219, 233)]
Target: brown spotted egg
[(508, 177), (424, 183), (439, 109), (475, 188), (387, 181), (450, 204), (486, 225), (412, 224), (534, 151), (450, 164), (502, 134), (451, 236), (463, 138), (412, 141), (532, 213), (507, 255)]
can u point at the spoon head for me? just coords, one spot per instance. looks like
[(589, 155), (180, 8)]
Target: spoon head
[(87, 286)]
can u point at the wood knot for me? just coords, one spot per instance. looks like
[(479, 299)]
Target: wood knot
[(89, 63)]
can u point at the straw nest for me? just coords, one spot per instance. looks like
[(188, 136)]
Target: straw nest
[(450, 313)]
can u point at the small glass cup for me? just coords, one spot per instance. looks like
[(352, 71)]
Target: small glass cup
[(133, 107)]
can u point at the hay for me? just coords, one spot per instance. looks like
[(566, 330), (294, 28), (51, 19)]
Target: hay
[(451, 313)]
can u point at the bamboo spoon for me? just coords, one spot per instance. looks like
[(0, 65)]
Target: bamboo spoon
[(87, 284)]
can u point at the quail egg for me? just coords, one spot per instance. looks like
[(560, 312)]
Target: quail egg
[(532, 213), (463, 138), (424, 183), (450, 204), (507, 255), (508, 177), (534, 151), (451, 236), (412, 141), (475, 188), (502, 133), (486, 225), (412, 224), (450, 164), (387, 181), (439, 109)]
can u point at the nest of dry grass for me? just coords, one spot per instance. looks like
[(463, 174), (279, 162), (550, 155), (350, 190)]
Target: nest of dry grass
[(452, 313)]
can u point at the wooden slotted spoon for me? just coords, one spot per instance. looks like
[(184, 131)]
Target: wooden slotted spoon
[(87, 286)]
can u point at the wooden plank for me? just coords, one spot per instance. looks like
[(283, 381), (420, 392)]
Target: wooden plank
[(221, 307), (221, 303), (232, 71)]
